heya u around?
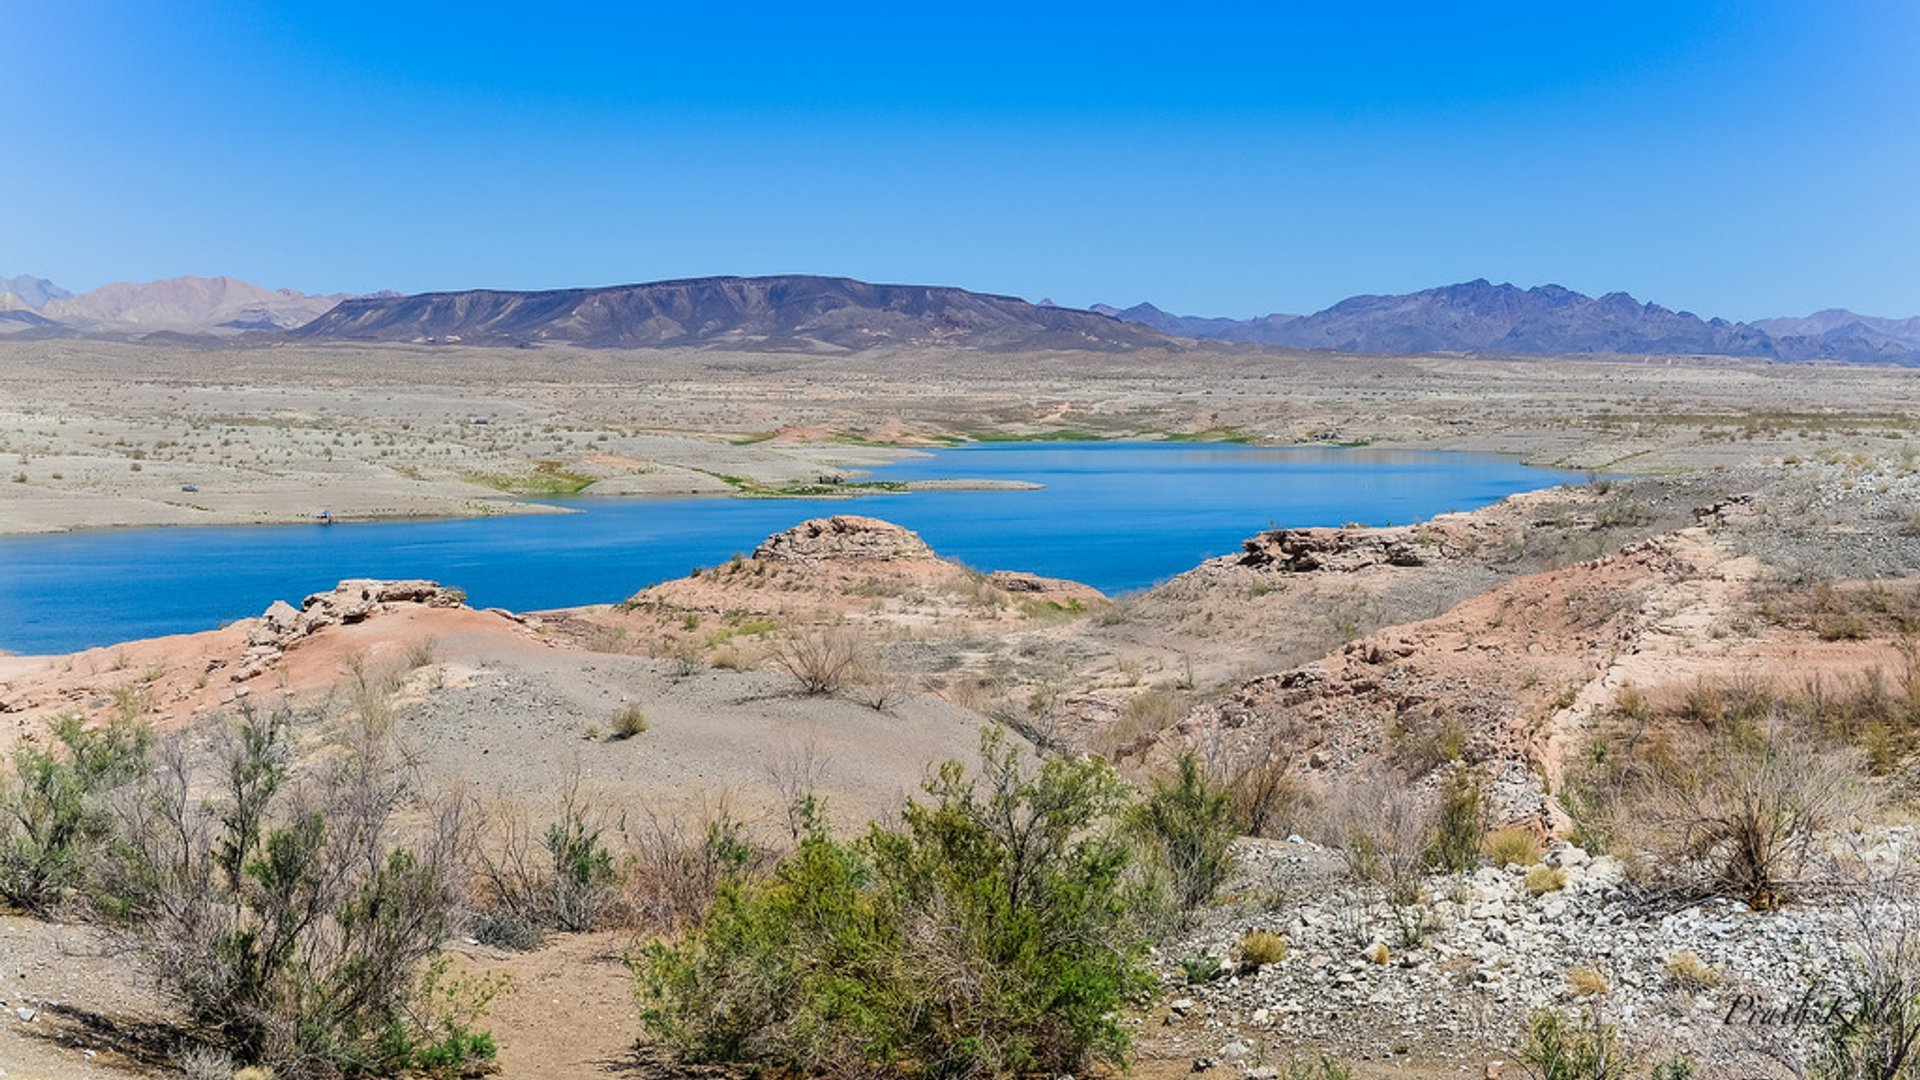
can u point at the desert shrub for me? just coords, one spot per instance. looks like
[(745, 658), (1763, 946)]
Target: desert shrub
[(874, 682), (1545, 879), (1418, 745), (1262, 947), (822, 661), (1514, 845), (991, 933), (1200, 966), (198, 1061), (1460, 820), (1266, 799), (53, 814), (1742, 816), (1384, 832), (1687, 971), (1320, 1068), (674, 868), (629, 720), (1872, 1028), (281, 915), (1186, 827), (559, 876), (1586, 981), (420, 652), (1728, 791), (1557, 1046), (1151, 712)]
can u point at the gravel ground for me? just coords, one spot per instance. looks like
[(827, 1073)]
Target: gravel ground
[(1490, 952)]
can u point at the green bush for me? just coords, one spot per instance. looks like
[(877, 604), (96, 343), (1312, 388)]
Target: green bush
[(991, 933), (1584, 1047), (1320, 1068), (52, 809), (1461, 820), (1186, 827)]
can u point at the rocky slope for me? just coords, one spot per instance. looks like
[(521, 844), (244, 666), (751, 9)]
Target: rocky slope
[(791, 312), (1699, 978)]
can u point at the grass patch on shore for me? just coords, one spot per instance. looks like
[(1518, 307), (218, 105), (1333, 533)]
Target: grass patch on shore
[(1212, 435), (1055, 435), (850, 439), (548, 478), (755, 489)]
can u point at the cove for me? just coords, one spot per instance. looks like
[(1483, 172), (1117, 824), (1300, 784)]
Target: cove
[(1118, 516)]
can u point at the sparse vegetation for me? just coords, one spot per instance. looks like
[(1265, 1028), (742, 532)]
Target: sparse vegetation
[(1726, 793), (1586, 981), (1460, 820), (558, 877)]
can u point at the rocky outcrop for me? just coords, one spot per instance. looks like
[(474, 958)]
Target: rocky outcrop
[(1343, 550), (1033, 586), (843, 536), (349, 602)]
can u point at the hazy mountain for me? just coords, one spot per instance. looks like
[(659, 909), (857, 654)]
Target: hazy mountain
[(1905, 331), (1842, 335), (1264, 330), (188, 304), (782, 312), (21, 321), (1478, 316), (28, 292)]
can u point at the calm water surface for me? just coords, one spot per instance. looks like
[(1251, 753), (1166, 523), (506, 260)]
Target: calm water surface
[(1117, 516)]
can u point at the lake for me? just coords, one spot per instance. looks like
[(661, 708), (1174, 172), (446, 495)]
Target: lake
[(1118, 516)]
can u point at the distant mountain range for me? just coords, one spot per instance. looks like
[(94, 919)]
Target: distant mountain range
[(189, 305), (832, 314), (1481, 317), (778, 312)]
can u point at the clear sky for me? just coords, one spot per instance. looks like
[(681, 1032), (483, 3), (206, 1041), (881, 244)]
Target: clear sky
[(1733, 159)]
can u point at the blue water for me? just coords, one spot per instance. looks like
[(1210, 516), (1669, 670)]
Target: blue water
[(1117, 516)]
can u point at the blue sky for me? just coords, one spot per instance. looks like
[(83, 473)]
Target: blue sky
[(1740, 160)]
